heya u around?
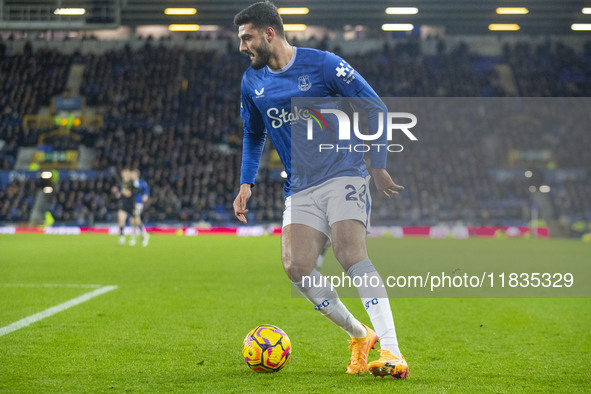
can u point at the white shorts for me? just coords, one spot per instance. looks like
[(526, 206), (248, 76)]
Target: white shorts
[(137, 210), (341, 198)]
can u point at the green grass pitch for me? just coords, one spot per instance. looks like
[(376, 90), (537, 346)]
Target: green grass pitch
[(184, 304)]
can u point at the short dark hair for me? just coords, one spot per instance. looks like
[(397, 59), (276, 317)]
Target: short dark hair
[(262, 15)]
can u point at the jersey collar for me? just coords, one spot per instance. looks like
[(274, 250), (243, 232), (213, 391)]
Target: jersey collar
[(287, 66)]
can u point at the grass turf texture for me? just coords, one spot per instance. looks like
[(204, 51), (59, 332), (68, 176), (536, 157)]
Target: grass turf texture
[(184, 304)]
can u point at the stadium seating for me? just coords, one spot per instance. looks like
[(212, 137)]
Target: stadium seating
[(174, 113), (16, 201)]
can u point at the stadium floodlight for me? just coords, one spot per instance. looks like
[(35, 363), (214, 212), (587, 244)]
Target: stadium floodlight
[(402, 10), (532, 189), (293, 11), (545, 189), (581, 26), (209, 28), (512, 11), (183, 27), (294, 27), (528, 174), (586, 10), (46, 175), (48, 189), (503, 27), (180, 11), (397, 27), (69, 11)]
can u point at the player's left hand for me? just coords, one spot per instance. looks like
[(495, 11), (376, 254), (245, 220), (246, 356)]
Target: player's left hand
[(384, 182)]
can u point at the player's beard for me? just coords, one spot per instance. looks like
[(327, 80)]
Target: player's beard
[(262, 55)]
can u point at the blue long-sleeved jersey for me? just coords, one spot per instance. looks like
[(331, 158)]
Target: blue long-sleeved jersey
[(143, 190), (266, 109)]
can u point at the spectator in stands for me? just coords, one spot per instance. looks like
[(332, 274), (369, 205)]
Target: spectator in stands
[(174, 113)]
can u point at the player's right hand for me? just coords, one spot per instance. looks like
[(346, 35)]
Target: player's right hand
[(241, 200)]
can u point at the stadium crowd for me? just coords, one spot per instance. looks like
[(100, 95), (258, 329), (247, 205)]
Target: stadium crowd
[(16, 200), (27, 81), (174, 114)]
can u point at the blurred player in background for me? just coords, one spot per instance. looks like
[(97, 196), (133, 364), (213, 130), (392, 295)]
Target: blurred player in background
[(141, 198), (279, 72), (126, 195)]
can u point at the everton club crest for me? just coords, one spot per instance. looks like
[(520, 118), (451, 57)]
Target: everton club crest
[(304, 83)]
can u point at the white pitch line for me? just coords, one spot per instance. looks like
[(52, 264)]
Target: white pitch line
[(73, 285), (54, 309)]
